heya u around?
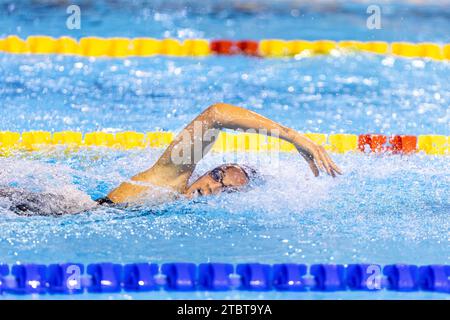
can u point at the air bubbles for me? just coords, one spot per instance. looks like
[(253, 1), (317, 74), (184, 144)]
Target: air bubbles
[(388, 61), (419, 64), (68, 120)]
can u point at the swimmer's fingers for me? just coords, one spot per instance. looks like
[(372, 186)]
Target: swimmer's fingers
[(332, 164), (311, 163), (324, 161), (315, 159), (318, 159)]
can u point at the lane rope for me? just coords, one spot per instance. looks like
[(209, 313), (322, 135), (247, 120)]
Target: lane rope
[(75, 278), (226, 142), (268, 48)]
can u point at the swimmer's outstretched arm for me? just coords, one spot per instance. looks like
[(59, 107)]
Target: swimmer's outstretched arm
[(174, 168)]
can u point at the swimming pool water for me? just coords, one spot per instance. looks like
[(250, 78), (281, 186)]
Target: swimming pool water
[(326, 94), (233, 19), (384, 209)]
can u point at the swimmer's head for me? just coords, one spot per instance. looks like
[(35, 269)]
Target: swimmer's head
[(225, 178)]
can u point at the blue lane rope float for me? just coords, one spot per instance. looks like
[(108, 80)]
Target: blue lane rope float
[(75, 278)]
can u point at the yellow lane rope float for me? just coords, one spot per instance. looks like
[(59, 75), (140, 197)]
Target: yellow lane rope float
[(226, 142), (269, 48)]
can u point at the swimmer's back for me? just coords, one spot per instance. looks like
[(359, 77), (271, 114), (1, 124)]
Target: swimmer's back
[(28, 203)]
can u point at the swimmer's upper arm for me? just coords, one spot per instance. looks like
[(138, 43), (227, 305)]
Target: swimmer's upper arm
[(175, 166)]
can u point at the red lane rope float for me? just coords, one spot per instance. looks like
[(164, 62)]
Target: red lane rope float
[(228, 47), (377, 143), (225, 47), (403, 144), (248, 47)]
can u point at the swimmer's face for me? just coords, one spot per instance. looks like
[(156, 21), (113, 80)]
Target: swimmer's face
[(220, 179)]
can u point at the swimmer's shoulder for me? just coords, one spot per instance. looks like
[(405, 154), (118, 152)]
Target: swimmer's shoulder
[(152, 194)]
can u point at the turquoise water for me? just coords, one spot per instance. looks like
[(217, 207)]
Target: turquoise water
[(237, 19), (351, 94), (384, 209)]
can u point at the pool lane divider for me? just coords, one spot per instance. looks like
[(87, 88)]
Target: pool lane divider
[(226, 142), (75, 278), (267, 48)]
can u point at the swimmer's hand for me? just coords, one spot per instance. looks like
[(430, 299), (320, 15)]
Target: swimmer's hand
[(316, 156)]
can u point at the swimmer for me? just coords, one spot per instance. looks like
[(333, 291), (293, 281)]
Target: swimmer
[(174, 168), (168, 174)]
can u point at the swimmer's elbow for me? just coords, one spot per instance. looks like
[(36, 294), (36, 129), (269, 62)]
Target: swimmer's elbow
[(215, 111)]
